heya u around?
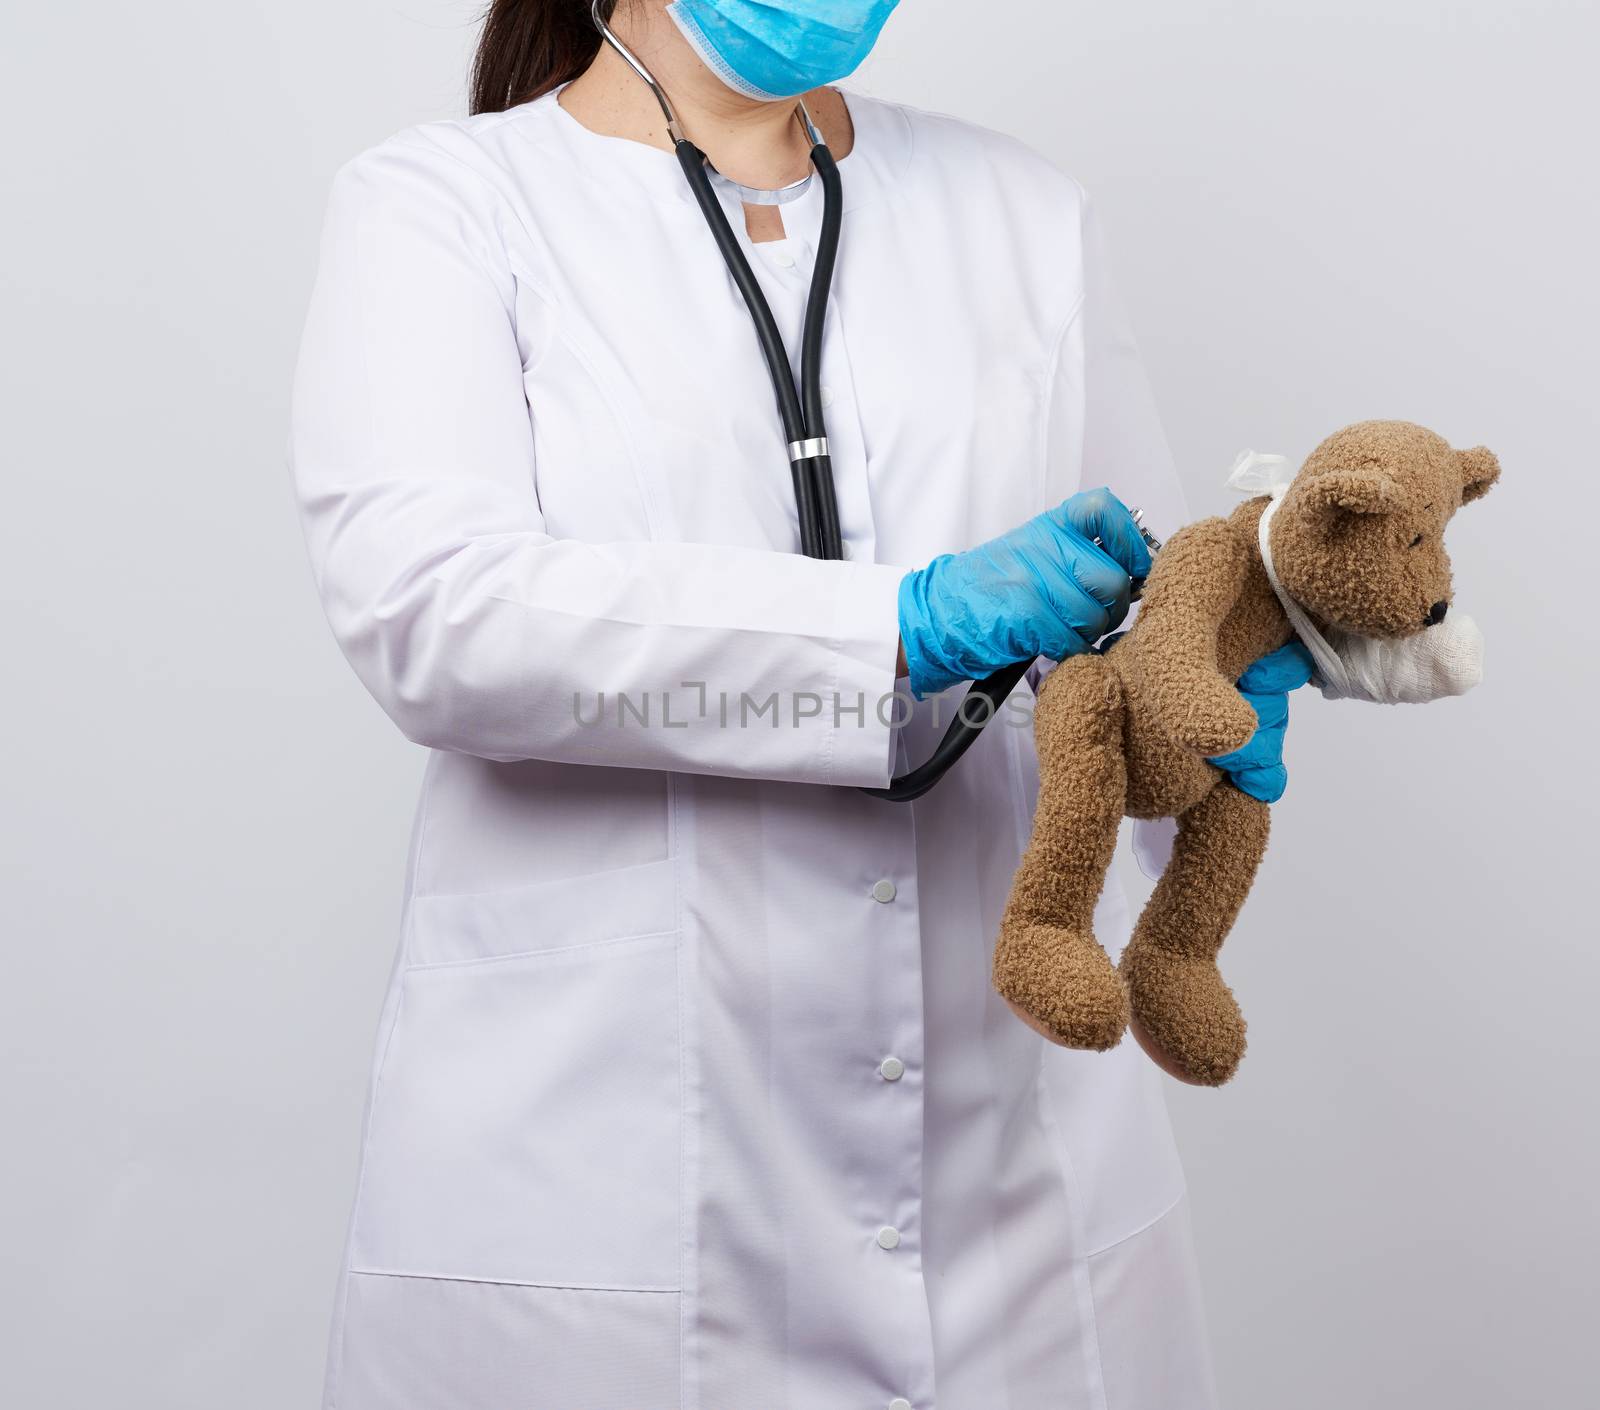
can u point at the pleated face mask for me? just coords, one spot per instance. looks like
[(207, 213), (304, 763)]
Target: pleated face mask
[(771, 49)]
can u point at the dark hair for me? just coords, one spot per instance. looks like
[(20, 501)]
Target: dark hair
[(529, 47)]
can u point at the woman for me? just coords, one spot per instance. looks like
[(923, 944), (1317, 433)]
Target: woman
[(691, 1089)]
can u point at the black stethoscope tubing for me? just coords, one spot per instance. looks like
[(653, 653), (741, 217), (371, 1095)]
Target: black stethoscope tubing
[(801, 413), (804, 426)]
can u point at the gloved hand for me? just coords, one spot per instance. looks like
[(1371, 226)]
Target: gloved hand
[(1257, 769), (1043, 589)]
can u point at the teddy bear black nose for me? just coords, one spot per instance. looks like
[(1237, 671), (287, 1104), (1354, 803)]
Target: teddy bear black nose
[(1436, 613)]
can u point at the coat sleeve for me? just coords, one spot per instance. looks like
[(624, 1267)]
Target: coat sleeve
[(476, 629), (1104, 429)]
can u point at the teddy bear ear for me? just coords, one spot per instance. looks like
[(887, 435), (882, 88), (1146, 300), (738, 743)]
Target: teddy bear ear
[(1479, 470), (1364, 491)]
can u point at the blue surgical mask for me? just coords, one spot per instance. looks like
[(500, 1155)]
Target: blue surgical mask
[(770, 49)]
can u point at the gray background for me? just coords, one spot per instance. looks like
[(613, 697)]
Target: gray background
[(1320, 212)]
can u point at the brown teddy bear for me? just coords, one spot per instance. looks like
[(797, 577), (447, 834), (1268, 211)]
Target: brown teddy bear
[(1357, 545)]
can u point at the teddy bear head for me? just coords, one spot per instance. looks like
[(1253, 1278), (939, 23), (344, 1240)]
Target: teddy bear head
[(1359, 538)]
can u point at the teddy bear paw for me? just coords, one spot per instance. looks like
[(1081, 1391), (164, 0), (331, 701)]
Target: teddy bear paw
[(1216, 725), (1184, 1016), (1062, 985)]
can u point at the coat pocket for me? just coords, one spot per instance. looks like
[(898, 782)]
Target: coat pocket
[(558, 914), (526, 1122)]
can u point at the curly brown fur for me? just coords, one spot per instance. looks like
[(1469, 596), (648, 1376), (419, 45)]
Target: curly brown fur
[(1047, 964), (1187, 1015), (1358, 542)]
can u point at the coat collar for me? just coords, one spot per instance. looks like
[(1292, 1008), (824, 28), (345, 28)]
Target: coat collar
[(879, 158)]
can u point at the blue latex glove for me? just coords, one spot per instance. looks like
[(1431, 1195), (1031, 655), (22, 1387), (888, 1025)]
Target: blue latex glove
[(1258, 769), (1043, 589)]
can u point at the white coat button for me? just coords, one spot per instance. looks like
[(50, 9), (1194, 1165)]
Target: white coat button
[(899, 1404), (891, 1069), (784, 260), (827, 397), (888, 1237), (883, 891), (848, 552)]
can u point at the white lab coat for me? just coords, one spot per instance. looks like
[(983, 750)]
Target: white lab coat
[(691, 1092)]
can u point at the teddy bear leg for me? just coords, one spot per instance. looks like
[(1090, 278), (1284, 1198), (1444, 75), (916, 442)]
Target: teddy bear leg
[(1184, 1016), (1047, 964)]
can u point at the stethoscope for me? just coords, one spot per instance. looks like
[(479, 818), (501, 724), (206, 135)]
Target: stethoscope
[(804, 428)]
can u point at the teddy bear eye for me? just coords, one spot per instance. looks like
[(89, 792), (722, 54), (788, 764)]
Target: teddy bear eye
[(1416, 541)]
